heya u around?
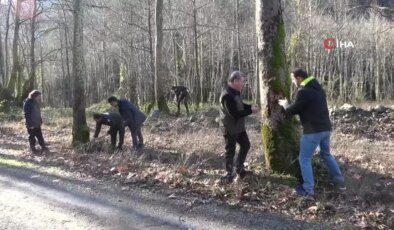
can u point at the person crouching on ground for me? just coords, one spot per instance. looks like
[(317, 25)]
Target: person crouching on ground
[(32, 112), (115, 122)]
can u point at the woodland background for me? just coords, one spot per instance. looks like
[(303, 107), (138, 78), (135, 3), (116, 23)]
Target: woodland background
[(203, 41)]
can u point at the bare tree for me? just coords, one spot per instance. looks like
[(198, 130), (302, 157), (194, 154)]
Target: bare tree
[(159, 70), (14, 78), (80, 128), (29, 85)]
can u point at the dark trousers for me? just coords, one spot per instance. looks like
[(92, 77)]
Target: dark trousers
[(33, 134), (184, 100), (231, 140), (121, 137), (136, 135)]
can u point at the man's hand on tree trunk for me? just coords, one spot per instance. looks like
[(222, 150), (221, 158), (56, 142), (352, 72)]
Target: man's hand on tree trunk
[(284, 103)]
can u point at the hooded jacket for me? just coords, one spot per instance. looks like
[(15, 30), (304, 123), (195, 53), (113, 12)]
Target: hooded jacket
[(311, 105)]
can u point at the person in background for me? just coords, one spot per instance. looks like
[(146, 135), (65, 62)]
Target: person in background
[(181, 96), (115, 122), (311, 105), (32, 112), (133, 118)]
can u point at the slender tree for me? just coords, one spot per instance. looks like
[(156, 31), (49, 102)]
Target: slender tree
[(15, 71), (159, 70), (29, 85), (80, 128)]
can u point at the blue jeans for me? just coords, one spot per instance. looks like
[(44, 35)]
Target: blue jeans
[(309, 143)]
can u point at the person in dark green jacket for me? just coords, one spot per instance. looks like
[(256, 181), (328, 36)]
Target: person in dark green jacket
[(32, 112)]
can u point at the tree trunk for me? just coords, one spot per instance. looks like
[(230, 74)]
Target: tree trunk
[(238, 35), (2, 70), (67, 43), (80, 128), (151, 57), (257, 70), (29, 84), (159, 70), (15, 54), (42, 80), (6, 43), (196, 61), (279, 133)]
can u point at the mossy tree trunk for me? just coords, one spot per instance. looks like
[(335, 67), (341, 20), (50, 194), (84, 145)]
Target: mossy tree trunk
[(80, 128), (280, 137), (159, 68)]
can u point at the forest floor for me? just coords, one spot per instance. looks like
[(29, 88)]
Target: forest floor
[(185, 155)]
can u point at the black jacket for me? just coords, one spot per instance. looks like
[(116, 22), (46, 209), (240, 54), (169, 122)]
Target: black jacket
[(311, 105), (114, 120), (32, 113), (233, 111), (132, 116)]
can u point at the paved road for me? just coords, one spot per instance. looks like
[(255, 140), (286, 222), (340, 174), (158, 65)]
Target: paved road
[(30, 199)]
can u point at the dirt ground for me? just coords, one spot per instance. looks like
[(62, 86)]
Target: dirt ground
[(185, 154)]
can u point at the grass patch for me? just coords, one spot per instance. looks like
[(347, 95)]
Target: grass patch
[(12, 163), (17, 164)]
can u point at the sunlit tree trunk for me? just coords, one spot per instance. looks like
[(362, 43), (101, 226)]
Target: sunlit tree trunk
[(80, 128), (159, 69)]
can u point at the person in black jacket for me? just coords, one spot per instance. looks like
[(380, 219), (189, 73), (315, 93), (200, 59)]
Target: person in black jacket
[(181, 96), (311, 105), (32, 112), (115, 121), (232, 121), (132, 117)]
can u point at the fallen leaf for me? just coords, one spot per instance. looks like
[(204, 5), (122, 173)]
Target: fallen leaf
[(183, 170), (313, 209)]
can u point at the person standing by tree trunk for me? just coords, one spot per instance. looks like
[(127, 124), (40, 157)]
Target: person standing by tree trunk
[(32, 111), (311, 105), (232, 121)]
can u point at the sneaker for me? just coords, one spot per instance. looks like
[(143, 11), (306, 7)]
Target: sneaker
[(227, 179), (340, 186), (300, 191)]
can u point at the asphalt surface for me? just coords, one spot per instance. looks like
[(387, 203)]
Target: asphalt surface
[(30, 199)]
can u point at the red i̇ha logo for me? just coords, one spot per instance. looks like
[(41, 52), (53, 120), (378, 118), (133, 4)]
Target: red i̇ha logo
[(25, 9), (332, 43)]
